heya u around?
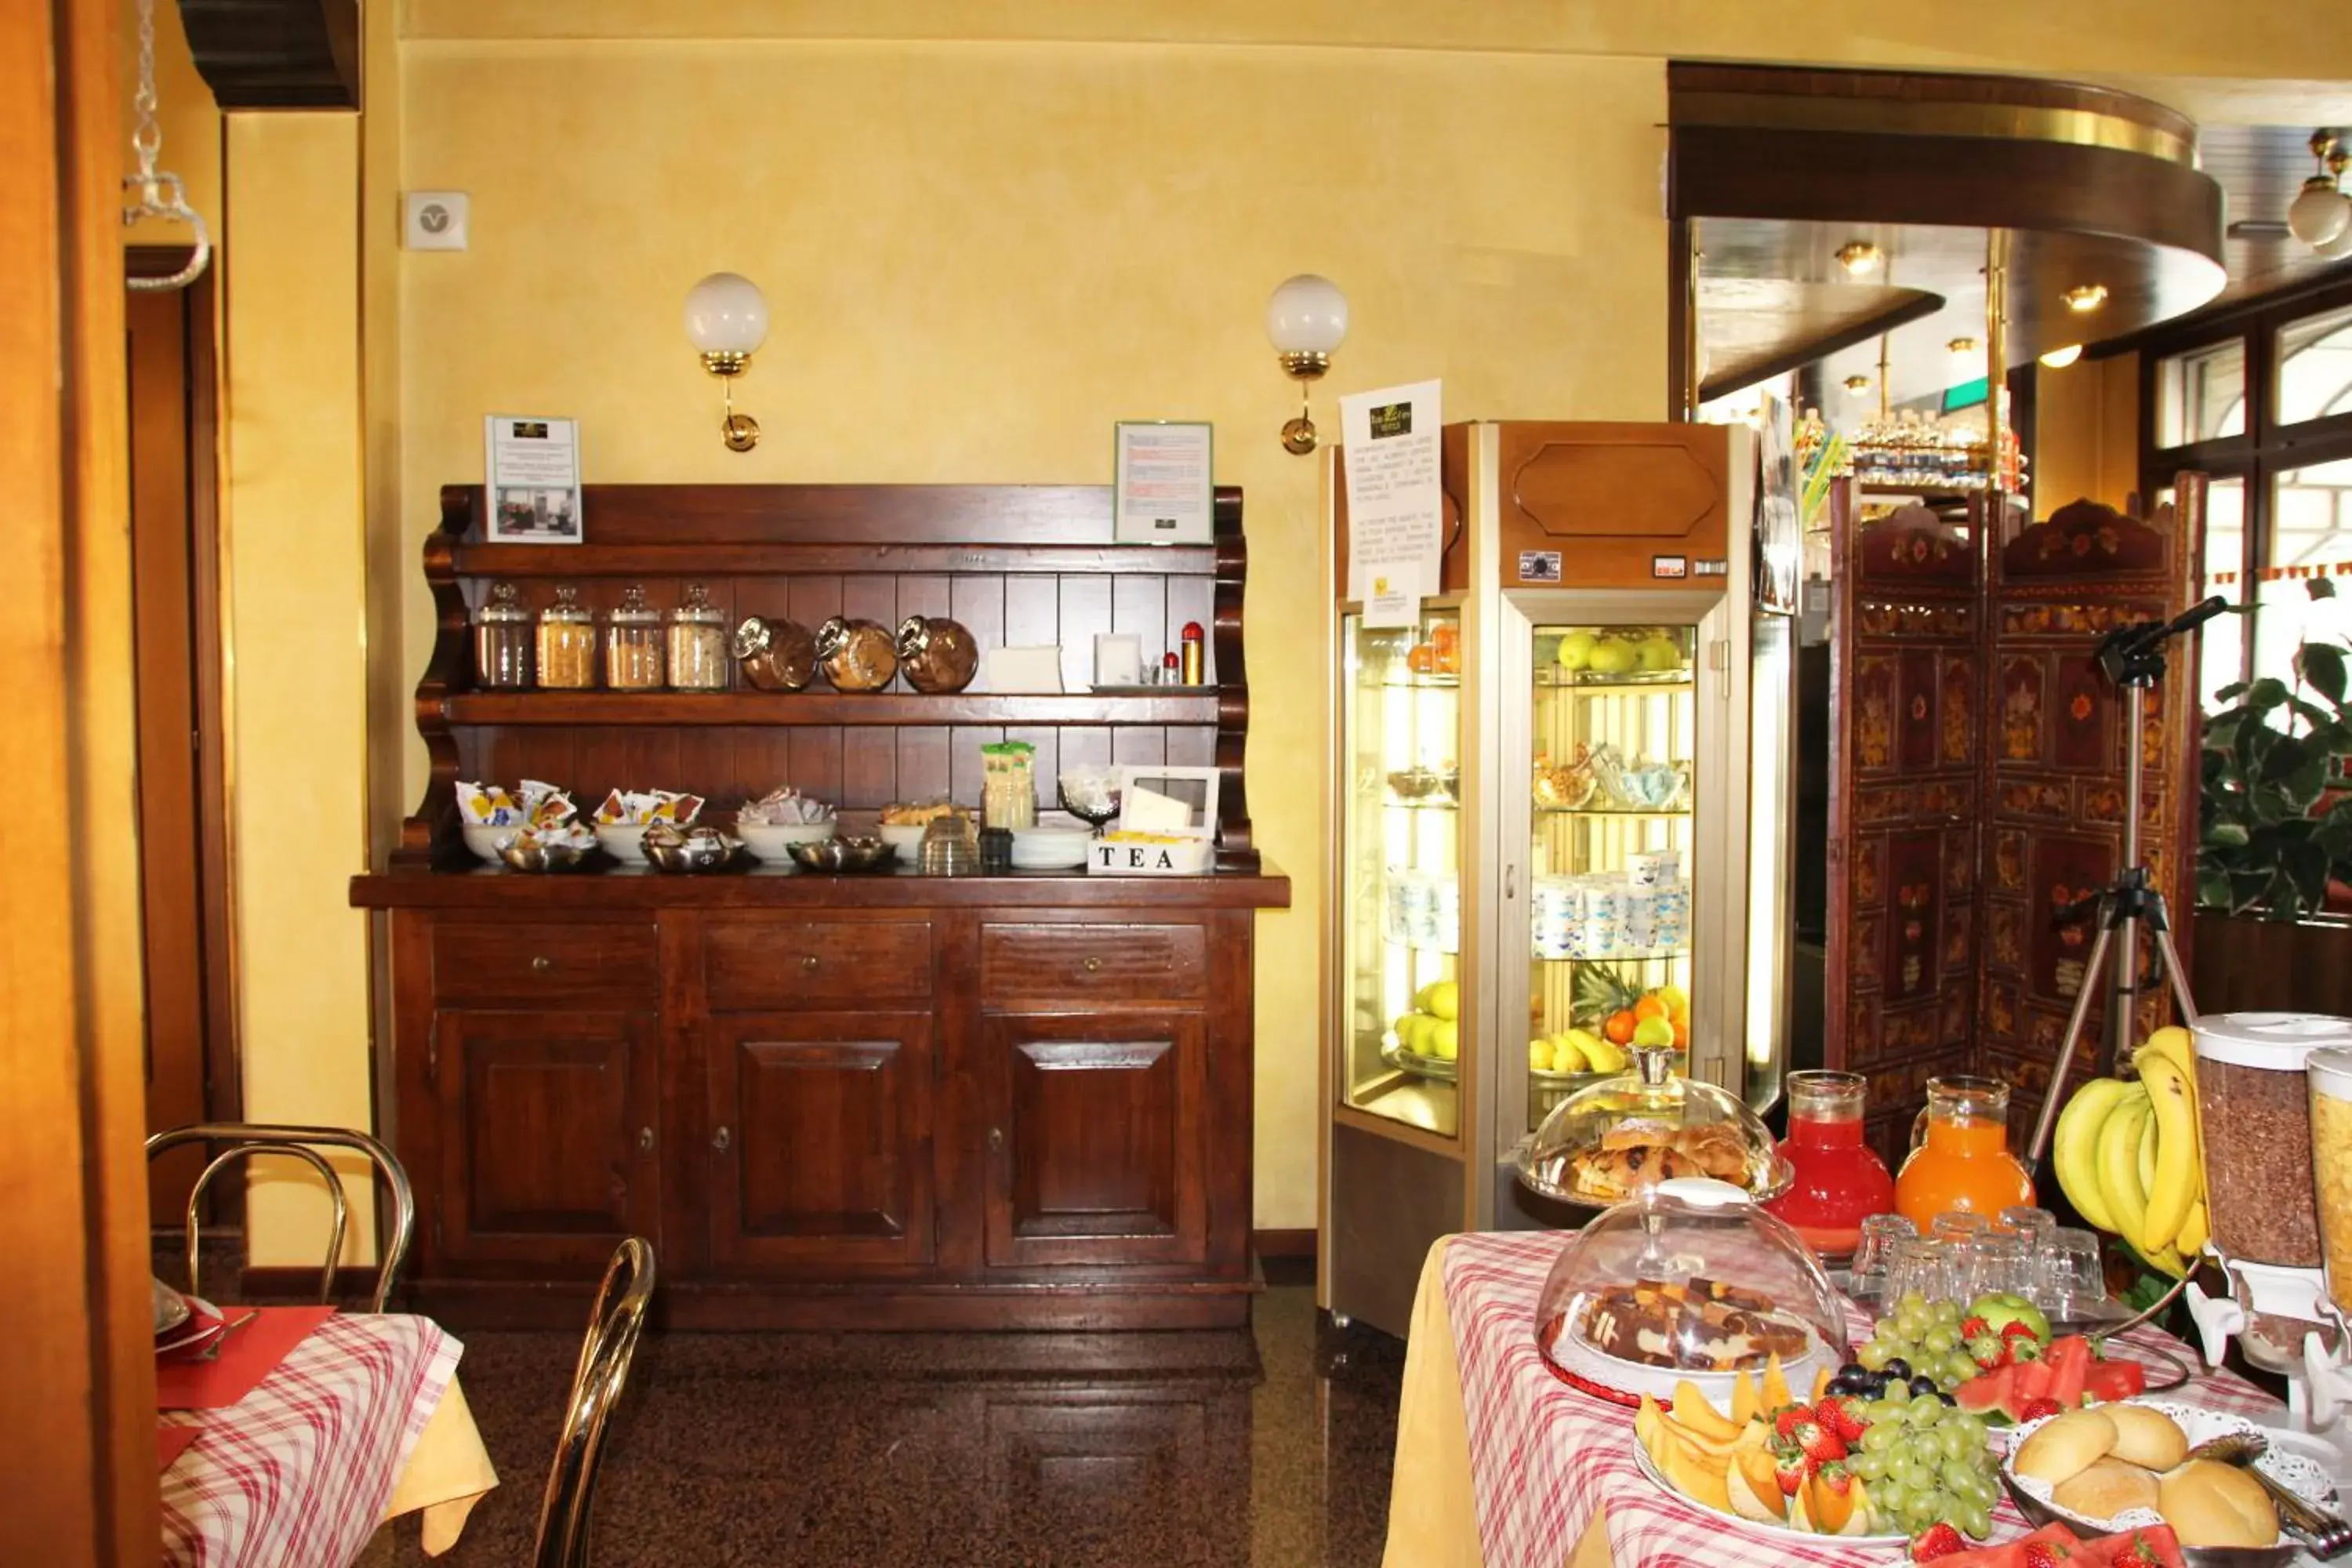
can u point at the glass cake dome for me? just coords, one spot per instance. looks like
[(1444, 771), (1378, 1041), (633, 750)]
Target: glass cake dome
[(1624, 1134), (1689, 1278)]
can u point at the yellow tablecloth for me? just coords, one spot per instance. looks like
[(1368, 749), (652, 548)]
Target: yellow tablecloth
[(447, 1473), (1432, 1514)]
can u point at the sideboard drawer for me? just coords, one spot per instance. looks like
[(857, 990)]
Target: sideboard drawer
[(769, 963), (1094, 963), (572, 963)]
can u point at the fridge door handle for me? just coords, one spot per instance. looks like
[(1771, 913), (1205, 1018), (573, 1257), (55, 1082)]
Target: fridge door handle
[(1510, 882)]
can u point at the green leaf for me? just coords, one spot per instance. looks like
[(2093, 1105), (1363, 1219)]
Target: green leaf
[(2213, 889), (2305, 865), (2321, 587), (2265, 694), (2230, 833), (2321, 665), (2231, 693)]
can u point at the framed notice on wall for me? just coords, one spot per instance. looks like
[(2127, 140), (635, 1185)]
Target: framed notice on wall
[(531, 469), (1163, 483)]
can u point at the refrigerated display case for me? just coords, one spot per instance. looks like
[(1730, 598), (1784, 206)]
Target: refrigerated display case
[(1559, 829)]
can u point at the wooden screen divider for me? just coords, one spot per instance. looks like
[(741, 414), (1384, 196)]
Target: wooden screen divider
[(1018, 565)]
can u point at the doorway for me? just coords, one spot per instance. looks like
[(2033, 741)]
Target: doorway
[(192, 1058)]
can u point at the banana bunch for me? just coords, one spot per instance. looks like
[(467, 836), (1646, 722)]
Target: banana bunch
[(2127, 1154)]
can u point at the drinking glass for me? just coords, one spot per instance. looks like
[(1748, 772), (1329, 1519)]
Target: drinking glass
[(1919, 1263), (2036, 1225), (2072, 1276), (1959, 1224), (1985, 1264), (1875, 1253)]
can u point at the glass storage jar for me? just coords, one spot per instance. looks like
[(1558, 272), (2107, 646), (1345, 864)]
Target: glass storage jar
[(937, 654), (776, 656), (1616, 1138), (1008, 786), (567, 643), (1840, 1180), (856, 655), (1689, 1278), (633, 643), (2330, 1072), (502, 641), (2254, 1111), (697, 643), (1964, 1164)]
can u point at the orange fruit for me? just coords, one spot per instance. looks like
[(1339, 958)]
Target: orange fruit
[(1620, 1027), (1682, 1034), (1649, 1007), (1419, 659)]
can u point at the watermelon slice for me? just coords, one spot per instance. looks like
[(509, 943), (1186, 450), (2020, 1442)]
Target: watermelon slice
[(2069, 1360), (2109, 1381), (2013, 1555), (2153, 1546), (2034, 1381), (1988, 1394)]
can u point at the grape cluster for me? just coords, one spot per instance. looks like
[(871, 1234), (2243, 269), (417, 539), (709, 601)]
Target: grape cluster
[(1925, 1461), (1923, 1338)]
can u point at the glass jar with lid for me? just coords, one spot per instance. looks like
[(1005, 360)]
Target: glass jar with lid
[(697, 643), (633, 643), (1840, 1180), (1609, 1142), (1008, 785), (1689, 1278), (502, 641), (567, 644)]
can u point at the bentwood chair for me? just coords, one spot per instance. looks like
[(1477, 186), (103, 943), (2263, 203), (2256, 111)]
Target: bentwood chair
[(605, 1355), (243, 1140)]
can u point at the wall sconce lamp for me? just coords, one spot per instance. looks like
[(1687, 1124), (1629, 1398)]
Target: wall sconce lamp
[(726, 317), (1306, 320)]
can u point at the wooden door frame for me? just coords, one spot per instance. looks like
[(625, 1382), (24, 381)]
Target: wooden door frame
[(76, 1413), (224, 1067)]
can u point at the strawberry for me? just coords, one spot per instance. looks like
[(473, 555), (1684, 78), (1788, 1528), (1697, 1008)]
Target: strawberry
[(2137, 1551), (1938, 1539), (1987, 1350), (2045, 1554), (2037, 1408), (2017, 1331), (1842, 1417), (1786, 1418), (1819, 1443), (2023, 1347), (1971, 1327), (1789, 1469)]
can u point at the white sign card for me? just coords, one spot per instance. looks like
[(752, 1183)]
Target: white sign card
[(1163, 489), (1395, 509), (531, 469)]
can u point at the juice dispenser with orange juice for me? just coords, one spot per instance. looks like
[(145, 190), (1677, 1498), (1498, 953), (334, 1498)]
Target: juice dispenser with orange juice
[(1964, 1163)]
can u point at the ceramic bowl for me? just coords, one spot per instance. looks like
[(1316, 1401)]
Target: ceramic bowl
[(772, 842), (845, 855)]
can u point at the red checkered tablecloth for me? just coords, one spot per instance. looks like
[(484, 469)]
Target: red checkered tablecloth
[(297, 1473), (1545, 1458)]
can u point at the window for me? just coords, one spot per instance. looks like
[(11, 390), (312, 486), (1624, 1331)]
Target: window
[(2260, 400)]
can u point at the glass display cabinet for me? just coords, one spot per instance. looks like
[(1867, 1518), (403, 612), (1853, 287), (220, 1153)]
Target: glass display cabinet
[(1559, 828)]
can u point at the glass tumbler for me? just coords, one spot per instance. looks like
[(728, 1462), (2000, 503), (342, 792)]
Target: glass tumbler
[(2036, 1225), (1875, 1253), (1956, 1224), (2072, 1274), (1919, 1263), (1989, 1264)]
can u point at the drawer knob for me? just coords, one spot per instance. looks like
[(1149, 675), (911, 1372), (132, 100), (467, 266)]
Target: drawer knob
[(996, 1140), (1093, 964), (721, 1139), (645, 1139), (541, 964), (808, 964)]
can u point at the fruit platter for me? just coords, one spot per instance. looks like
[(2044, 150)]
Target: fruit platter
[(1995, 1356)]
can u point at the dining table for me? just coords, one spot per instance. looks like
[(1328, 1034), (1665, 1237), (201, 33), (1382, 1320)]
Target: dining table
[(1500, 1463), (360, 1420)]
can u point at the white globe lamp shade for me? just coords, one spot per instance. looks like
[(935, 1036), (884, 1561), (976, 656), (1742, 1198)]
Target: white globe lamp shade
[(726, 314), (2319, 214), (2059, 359), (1307, 315), (2335, 249)]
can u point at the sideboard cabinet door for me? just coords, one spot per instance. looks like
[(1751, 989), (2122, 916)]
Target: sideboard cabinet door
[(1096, 1152), (546, 1128), (820, 1133)]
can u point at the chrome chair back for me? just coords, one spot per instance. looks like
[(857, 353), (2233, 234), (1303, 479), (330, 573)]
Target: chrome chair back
[(243, 1140), (596, 1381)]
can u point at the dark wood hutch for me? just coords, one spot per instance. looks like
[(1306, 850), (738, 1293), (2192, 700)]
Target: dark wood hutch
[(887, 1100)]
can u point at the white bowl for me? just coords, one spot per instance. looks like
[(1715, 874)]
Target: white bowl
[(484, 841), (907, 837), (1049, 848), (624, 842), (769, 841)]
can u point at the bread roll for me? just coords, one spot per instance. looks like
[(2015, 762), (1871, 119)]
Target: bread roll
[(2146, 1438), (2067, 1447), (2209, 1503), (2105, 1490)]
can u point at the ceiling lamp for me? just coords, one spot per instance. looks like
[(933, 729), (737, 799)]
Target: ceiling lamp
[(2085, 297), (1306, 320), (2059, 359), (2319, 214), (1968, 360), (1859, 257)]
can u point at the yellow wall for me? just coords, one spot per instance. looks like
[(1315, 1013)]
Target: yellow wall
[(296, 580), (976, 259), (2086, 432)]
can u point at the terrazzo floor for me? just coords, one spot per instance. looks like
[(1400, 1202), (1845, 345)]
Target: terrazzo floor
[(1270, 1448)]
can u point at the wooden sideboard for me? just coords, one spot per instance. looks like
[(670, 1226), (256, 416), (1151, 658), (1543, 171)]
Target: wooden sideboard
[(887, 1100)]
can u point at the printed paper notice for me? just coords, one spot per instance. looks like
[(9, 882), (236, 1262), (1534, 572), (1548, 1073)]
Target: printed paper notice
[(532, 469), (1162, 490), (1395, 509)]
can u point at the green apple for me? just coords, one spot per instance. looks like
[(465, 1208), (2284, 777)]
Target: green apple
[(1442, 998), (1659, 653), (1576, 651), (1612, 656), (1445, 1039), (2004, 1306)]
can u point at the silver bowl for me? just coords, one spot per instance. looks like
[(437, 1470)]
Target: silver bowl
[(844, 854), (702, 853), (544, 856)]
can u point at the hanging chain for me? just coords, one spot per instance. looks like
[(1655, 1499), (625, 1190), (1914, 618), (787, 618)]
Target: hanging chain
[(160, 194)]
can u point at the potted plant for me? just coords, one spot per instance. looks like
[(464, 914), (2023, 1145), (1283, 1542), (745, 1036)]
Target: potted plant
[(2274, 812)]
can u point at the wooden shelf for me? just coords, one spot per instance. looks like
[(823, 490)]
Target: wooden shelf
[(823, 708), (792, 559)]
